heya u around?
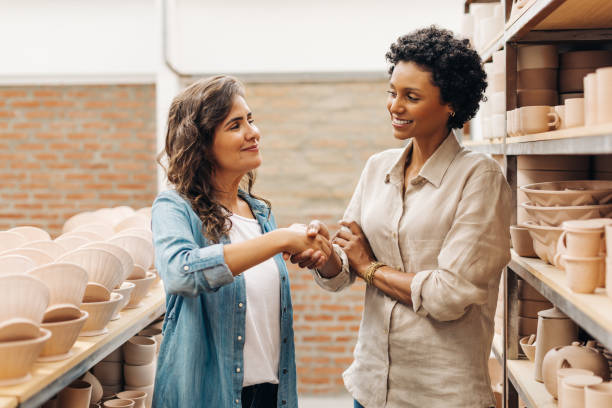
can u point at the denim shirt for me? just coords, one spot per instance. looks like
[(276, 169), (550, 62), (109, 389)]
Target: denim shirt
[(200, 362)]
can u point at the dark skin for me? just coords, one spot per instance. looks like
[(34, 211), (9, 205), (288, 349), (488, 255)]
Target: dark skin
[(418, 112)]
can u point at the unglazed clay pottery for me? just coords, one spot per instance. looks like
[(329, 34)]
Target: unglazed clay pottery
[(139, 350), (537, 56), (583, 238), (590, 99), (139, 397), (100, 314), (116, 355), (63, 336), (118, 403), (108, 372), (560, 109), (139, 232), (561, 374), (22, 296), (598, 395), (96, 387), (522, 241), (604, 95), (155, 333), (36, 255), (102, 266), (585, 59), (109, 391), (569, 193), (95, 292), (142, 287), (139, 375), (148, 389), (51, 248), (582, 273), (18, 357), (528, 348), (103, 230), (66, 282), (10, 240), (61, 312), (15, 264), (70, 243), (537, 119), (542, 78), (32, 233), (555, 216), (127, 262), (554, 329), (121, 212), (545, 240), (527, 292), (537, 97), (133, 221), (572, 389), (76, 395), (574, 112), (81, 219), (140, 249), (138, 272), (124, 290), (18, 328), (531, 308), (572, 80)]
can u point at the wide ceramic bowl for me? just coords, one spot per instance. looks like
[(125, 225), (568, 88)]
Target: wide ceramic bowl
[(22, 296), (139, 232), (545, 240), (140, 249), (133, 221), (102, 266), (124, 290), (15, 264), (66, 282), (51, 248), (71, 242), (127, 262), (63, 336), (140, 291), (103, 230), (10, 240), (18, 357), (36, 255), (80, 219), (569, 193), (90, 235), (528, 349), (555, 216), (32, 233), (100, 314)]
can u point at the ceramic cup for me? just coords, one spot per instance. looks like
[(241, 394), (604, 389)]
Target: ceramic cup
[(76, 395), (522, 241), (126, 403), (139, 375), (598, 395), (139, 397), (590, 99), (565, 372), (574, 112), (604, 95), (560, 109), (582, 273), (572, 390), (538, 119), (580, 243)]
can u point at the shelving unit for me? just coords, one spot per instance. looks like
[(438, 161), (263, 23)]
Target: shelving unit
[(50, 378), (567, 22)]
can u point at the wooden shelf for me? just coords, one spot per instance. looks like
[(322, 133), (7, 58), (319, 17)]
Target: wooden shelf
[(533, 393), (485, 146), (595, 139), (531, 17), (579, 14), (8, 402), (494, 45), (590, 311), (50, 378)]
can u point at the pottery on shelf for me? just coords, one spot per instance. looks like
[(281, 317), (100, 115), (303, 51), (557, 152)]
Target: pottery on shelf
[(139, 397), (545, 239), (66, 282), (108, 372), (139, 375), (139, 350), (63, 336), (76, 395), (36, 255), (96, 292), (31, 233), (140, 249), (22, 296), (598, 395), (528, 348), (18, 357), (539, 78), (15, 264), (96, 387), (100, 314), (127, 262), (555, 216), (51, 248), (18, 328), (11, 240), (61, 312), (102, 266), (531, 308), (124, 290), (537, 56), (572, 393), (554, 329), (565, 372), (118, 403), (569, 193), (522, 243), (583, 273), (140, 290)]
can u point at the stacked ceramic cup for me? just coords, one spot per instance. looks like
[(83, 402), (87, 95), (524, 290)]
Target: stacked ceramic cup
[(598, 96), (139, 355), (110, 374), (497, 93)]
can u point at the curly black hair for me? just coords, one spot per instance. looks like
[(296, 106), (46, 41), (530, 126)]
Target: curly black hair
[(456, 68)]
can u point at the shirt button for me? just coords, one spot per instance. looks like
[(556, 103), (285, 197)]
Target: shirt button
[(238, 370), (240, 304), (239, 338), (394, 235), (186, 267)]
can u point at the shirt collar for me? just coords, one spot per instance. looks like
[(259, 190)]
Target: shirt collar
[(434, 168)]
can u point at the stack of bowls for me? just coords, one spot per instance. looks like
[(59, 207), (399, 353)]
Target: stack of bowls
[(110, 375), (537, 75), (575, 65), (23, 300), (139, 369)]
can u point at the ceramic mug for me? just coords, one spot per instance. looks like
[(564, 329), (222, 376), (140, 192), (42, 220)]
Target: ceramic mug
[(604, 95), (582, 273), (590, 99), (574, 112), (538, 119), (581, 243)]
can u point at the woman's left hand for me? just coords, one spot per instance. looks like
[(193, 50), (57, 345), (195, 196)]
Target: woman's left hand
[(355, 245)]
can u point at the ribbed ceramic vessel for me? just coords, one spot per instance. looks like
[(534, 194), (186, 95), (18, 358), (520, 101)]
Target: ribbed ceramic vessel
[(90, 235), (15, 264), (81, 219), (100, 314), (127, 262), (124, 290), (140, 249), (139, 350), (102, 266), (32, 233), (36, 255), (70, 243), (554, 216), (18, 357), (66, 282), (103, 230), (569, 193), (51, 248), (10, 240), (133, 221), (22, 296), (139, 232), (63, 336), (140, 290)]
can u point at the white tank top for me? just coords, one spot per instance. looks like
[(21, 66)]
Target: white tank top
[(262, 326)]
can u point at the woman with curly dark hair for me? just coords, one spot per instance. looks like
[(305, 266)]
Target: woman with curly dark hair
[(228, 332), (427, 229)]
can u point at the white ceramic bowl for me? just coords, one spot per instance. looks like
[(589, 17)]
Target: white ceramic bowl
[(81, 219), (133, 221), (32, 233), (102, 266), (51, 248), (569, 193), (140, 249), (22, 296), (124, 290), (15, 264), (10, 240), (100, 314), (554, 216), (89, 235), (18, 357), (36, 255), (103, 230), (63, 336), (140, 291), (66, 282), (127, 262), (70, 243)]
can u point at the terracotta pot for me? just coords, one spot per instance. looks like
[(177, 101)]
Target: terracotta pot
[(585, 59), (582, 273), (96, 387), (531, 308), (572, 356), (590, 99), (537, 97), (522, 241), (139, 375), (598, 395), (561, 374), (527, 292), (139, 350), (63, 336), (542, 78), (572, 80), (537, 56), (572, 389), (139, 397), (604, 95), (76, 395), (554, 329), (537, 119), (574, 112)]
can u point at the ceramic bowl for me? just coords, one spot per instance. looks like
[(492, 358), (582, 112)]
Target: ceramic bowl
[(139, 397), (148, 389), (10, 240), (569, 193), (522, 241), (71, 242), (108, 372), (89, 235), (545, 240), (140, 249), (124, 290), (555, 216), (51, 248), (100, 314), (32, 233), (66, 282), (22, 296), (133, 221), (125, 403), (543, 78), (61, 312), (103, 230), (81, 219), (585, 59), (139, 232), (15, 265), (138, 272), (102, 266), (18, 357), (139, 375), (528, 349), (36, 255), (127, 262), (537, 97), (140, 290), (572, 80), (139, 350), (63, 336), (18, 328)]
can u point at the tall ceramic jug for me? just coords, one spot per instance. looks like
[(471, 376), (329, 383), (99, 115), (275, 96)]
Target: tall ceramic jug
[(554, 329)]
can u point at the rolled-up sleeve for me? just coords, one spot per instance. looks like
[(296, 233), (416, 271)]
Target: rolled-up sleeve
[(473, 254), (185, 268)]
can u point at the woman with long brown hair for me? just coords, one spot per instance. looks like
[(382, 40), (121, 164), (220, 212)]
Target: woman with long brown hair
[(228, 335)]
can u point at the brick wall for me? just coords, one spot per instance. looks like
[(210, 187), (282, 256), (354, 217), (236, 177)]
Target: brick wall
[(67, 149)]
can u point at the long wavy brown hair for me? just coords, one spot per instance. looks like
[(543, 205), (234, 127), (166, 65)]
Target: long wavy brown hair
[(194, 115)]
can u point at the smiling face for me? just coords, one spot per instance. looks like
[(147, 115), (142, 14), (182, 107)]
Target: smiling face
[(415, 105), (236, 141)]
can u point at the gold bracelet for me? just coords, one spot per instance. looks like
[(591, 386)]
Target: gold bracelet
[(372, 268)]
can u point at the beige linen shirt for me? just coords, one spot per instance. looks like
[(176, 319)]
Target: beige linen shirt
[(450, 228)]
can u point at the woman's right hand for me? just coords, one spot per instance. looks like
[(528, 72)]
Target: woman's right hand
[(309, 244), (312, 258)]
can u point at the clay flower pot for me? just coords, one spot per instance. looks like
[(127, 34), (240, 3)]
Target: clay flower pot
[(96, 387), (148, 389), (63, 336)]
